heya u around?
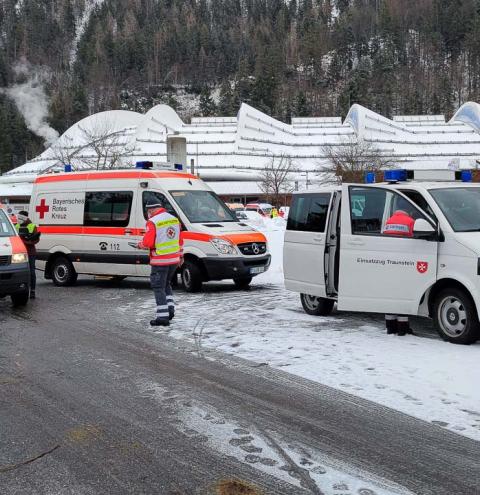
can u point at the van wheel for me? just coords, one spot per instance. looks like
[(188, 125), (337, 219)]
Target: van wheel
[(455, 317), (20, 299), (63, 272), (317, 306), (242, 283), (191, 277)]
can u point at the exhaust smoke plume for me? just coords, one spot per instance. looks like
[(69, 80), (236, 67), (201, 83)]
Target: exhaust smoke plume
[(32, 100)]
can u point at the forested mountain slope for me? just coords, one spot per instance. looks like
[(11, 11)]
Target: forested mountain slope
[(63, 59)]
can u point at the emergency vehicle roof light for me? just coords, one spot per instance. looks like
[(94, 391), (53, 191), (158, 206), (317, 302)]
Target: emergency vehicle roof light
[(144, 165), (68, 167), (369, 177), (396, 175), (466, 176), (178, 166)]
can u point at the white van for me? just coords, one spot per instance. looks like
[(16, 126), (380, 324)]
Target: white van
[(91, 221), (335, 251)]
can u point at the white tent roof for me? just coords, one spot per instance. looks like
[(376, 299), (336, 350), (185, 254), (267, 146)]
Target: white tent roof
[(238, 148)]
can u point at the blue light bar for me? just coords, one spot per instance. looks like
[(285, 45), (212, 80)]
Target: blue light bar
[(178, 166), (144, 165), (396, 175), (67, 167), (369, 177), (466, 176)]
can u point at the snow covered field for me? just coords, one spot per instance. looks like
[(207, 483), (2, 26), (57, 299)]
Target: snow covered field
[(419, 375)]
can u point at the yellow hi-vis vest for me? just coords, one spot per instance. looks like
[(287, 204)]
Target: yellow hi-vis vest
[(167, 240)]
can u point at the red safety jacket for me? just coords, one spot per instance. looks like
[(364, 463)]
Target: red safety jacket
[(400, 223), (163, 238)]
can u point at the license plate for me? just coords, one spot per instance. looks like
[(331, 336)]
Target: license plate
[(257, 269)]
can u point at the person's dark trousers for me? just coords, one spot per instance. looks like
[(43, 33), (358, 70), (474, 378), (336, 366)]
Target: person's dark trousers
[(160, 280), (33, 275)]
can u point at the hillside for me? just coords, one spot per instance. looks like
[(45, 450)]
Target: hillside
[(63, 59)]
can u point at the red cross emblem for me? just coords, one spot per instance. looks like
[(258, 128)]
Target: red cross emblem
[(422, 266), (42, 208), (171, 233)]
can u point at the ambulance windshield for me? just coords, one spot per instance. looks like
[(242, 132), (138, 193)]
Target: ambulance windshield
[(6, 229), (461, 206), (203, 206)]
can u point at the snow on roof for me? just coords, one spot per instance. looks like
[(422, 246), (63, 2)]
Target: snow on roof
[(232, 148), (231, 188)]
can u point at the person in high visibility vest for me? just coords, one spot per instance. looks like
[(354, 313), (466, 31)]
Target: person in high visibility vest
[(30, 236), (164, 241), (399, 224), (274, 213)]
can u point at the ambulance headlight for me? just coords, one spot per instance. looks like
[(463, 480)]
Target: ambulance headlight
[(223, 246), (19, 258)]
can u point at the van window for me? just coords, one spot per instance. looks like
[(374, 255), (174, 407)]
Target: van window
[(6, 229), (203, 207), (152, 197), (108, 209), (421, 202), (308, 212), (370, 209)]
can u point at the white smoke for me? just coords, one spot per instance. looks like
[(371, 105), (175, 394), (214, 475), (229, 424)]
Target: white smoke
[(32, 100)]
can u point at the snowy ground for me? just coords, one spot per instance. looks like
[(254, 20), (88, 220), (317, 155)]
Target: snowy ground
[(419, 375)]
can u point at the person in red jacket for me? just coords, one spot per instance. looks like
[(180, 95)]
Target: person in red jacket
[(164, 241), (399, 224)]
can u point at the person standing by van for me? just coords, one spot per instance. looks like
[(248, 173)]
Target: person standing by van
[(163, 240), (401, 224), (30, 236)]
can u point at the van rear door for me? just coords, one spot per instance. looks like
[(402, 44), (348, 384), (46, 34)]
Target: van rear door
[(304, 248), (378, 272)]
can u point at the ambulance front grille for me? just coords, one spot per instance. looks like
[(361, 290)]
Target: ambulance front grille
[(253, 248), (4, 260)]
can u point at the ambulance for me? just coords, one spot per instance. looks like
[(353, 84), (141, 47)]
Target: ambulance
[(91, 222), (336, 251), (14, 268)]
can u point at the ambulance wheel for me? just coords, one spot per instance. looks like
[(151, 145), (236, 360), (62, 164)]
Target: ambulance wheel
[(191, 277), (317, 306), (20, 299), (242, 283), (63, 272), (455, 316)]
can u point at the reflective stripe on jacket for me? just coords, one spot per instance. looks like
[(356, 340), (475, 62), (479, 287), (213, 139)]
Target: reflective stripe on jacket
[(163, 238)]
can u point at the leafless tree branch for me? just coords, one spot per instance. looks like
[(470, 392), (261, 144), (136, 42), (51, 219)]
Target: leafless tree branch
[(275, 179), (350, 159)]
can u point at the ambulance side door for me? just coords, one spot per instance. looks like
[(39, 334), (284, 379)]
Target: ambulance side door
[(109, 219), (304, 247), (381, 273)]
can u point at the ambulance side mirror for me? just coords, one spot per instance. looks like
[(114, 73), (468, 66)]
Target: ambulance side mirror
[(424, 230)]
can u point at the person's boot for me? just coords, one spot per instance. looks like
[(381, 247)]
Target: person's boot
[(32, 294), (171, 314), (159, 322), (391, 326), (403, 328)]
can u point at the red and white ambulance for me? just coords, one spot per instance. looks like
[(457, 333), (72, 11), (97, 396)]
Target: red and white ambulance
[(14, 268), (91, 221)]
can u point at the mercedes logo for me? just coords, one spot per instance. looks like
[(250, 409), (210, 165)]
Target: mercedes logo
[(255, 248)]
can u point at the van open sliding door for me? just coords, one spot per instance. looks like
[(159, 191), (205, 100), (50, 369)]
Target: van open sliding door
[(379, 272)]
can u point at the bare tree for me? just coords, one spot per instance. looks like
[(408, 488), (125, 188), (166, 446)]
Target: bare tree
[(100, 146), (348, 160), (275, 179)]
